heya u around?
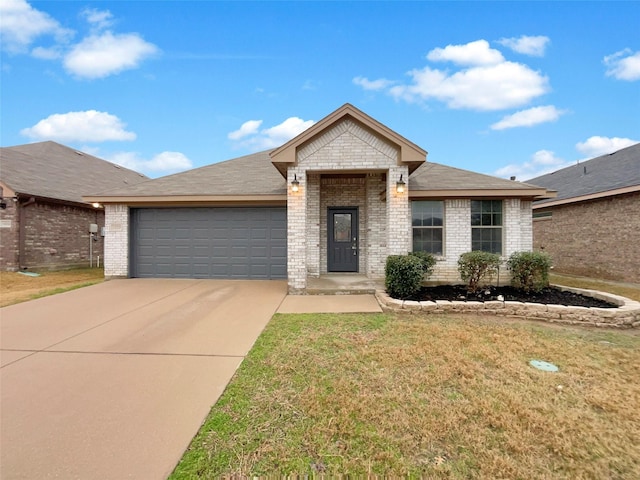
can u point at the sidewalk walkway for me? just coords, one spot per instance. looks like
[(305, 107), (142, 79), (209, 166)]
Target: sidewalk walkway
[(329, 304)]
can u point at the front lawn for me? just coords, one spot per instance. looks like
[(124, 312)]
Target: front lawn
[(448, 397)]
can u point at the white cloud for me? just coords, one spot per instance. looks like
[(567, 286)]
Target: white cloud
[(623, 65), (21, 25), (367, 84), (99, 56), (87, 126), (165, 162), (473, 53), (247, 128), (528, 118), (99, 19), (534, 46), (254, 139), (596, 146), (493, 87), (541, 162), (485, 81), (43, 53)]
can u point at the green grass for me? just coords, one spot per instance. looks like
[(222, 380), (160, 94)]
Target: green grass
[(440, 397), (55, 291)]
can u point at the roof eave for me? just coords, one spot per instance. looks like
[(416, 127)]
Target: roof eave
[(584, 198), (184, 199), (532, 194)]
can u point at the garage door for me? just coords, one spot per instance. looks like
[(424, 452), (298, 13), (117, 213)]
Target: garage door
[(209, 242)]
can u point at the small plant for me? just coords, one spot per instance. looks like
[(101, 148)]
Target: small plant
[(403, 275), (428, 261), (529, 270), (475, 266)]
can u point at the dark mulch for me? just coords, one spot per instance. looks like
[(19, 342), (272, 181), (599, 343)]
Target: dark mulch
[(548, 295)]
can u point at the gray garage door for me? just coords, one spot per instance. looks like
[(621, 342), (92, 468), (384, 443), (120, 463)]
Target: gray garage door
[(223, 242)]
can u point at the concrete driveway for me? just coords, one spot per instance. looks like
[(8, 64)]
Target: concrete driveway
[(112, 381)]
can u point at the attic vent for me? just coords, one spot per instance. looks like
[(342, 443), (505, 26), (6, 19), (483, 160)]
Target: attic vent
[(79, 153), (117, 166)]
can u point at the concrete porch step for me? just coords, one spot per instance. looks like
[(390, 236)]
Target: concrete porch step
[(343, 284)]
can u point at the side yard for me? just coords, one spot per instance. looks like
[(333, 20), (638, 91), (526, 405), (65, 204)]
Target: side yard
[(16, 287), (448, 397)]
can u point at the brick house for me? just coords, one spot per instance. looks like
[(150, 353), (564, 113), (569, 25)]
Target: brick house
[(592, 227), (338, 198), (44, 223)]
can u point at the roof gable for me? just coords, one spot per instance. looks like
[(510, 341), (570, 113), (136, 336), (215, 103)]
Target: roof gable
[(50, 170), (409, 153)]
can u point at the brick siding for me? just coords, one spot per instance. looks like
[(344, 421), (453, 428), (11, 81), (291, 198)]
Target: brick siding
[(383, 221), (55, 236), (116, 241), (598, 238)]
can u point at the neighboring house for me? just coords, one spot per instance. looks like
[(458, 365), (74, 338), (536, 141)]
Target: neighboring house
[(339, 197), (44, 223), (592, 227)]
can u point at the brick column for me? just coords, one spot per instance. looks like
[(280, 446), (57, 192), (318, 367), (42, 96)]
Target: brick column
[(116, 241), (512, 227), (296, 231), (398, 224)]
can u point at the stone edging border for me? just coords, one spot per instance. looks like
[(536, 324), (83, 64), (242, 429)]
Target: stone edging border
[(627, 315)]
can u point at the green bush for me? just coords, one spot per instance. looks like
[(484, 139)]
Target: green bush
[(475, 266), (428, 261), (403, 275), (529, 270)]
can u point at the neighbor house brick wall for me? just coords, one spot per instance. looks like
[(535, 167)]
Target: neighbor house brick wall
[(55, 235), (346, 146), (9, 237), (116, 241), (598, 238)]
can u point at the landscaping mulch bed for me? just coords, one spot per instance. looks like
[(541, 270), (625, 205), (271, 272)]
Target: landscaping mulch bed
[(548, 295)]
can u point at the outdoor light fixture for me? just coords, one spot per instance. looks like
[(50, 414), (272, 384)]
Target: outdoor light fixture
[(96, 205), (295, 184), (400, 185)]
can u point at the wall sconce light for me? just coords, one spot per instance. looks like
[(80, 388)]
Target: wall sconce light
[(400, 185), (295, 184), (96, 205)]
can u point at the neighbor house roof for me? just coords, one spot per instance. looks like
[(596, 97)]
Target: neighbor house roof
[(253, 178), (50, 170), (612, 174)]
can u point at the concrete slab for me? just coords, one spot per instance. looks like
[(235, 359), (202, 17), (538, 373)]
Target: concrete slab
[(113, 380), (105, 416), (330, 304)]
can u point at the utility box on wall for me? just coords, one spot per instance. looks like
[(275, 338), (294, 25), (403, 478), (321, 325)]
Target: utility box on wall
[(93, 228)]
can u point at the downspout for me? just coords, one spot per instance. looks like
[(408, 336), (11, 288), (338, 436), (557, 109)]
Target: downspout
[(21, 231)]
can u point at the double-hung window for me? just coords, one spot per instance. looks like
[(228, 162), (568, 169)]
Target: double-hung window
[(427, 221), (486, 225)]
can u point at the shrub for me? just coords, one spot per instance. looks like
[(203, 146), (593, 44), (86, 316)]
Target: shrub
[(529, 270), (428, 261), (403, 275), (475, 266)]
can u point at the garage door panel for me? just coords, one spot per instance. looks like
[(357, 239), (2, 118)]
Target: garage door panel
[(221, 242)]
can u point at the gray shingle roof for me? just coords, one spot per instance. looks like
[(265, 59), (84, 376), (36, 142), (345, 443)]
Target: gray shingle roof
[(608, 172), (434, 176), (255, 174), (249, 175), (48, 169)]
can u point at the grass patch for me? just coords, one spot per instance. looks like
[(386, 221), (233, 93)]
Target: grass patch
[(450, 397), (17, 288), (625, 289)]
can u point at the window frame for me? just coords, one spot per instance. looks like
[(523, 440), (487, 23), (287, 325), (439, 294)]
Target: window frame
[(441, 228), (490, 226)]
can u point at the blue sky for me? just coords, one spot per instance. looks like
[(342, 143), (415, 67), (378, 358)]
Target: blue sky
[(505, 88)]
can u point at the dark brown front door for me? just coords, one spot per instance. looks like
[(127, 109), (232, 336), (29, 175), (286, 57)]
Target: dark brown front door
[(342, 239)]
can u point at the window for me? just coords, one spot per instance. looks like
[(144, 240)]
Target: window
[(486, 225), (427, 220)]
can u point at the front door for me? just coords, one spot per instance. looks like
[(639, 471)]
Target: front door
[(342, 239)]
